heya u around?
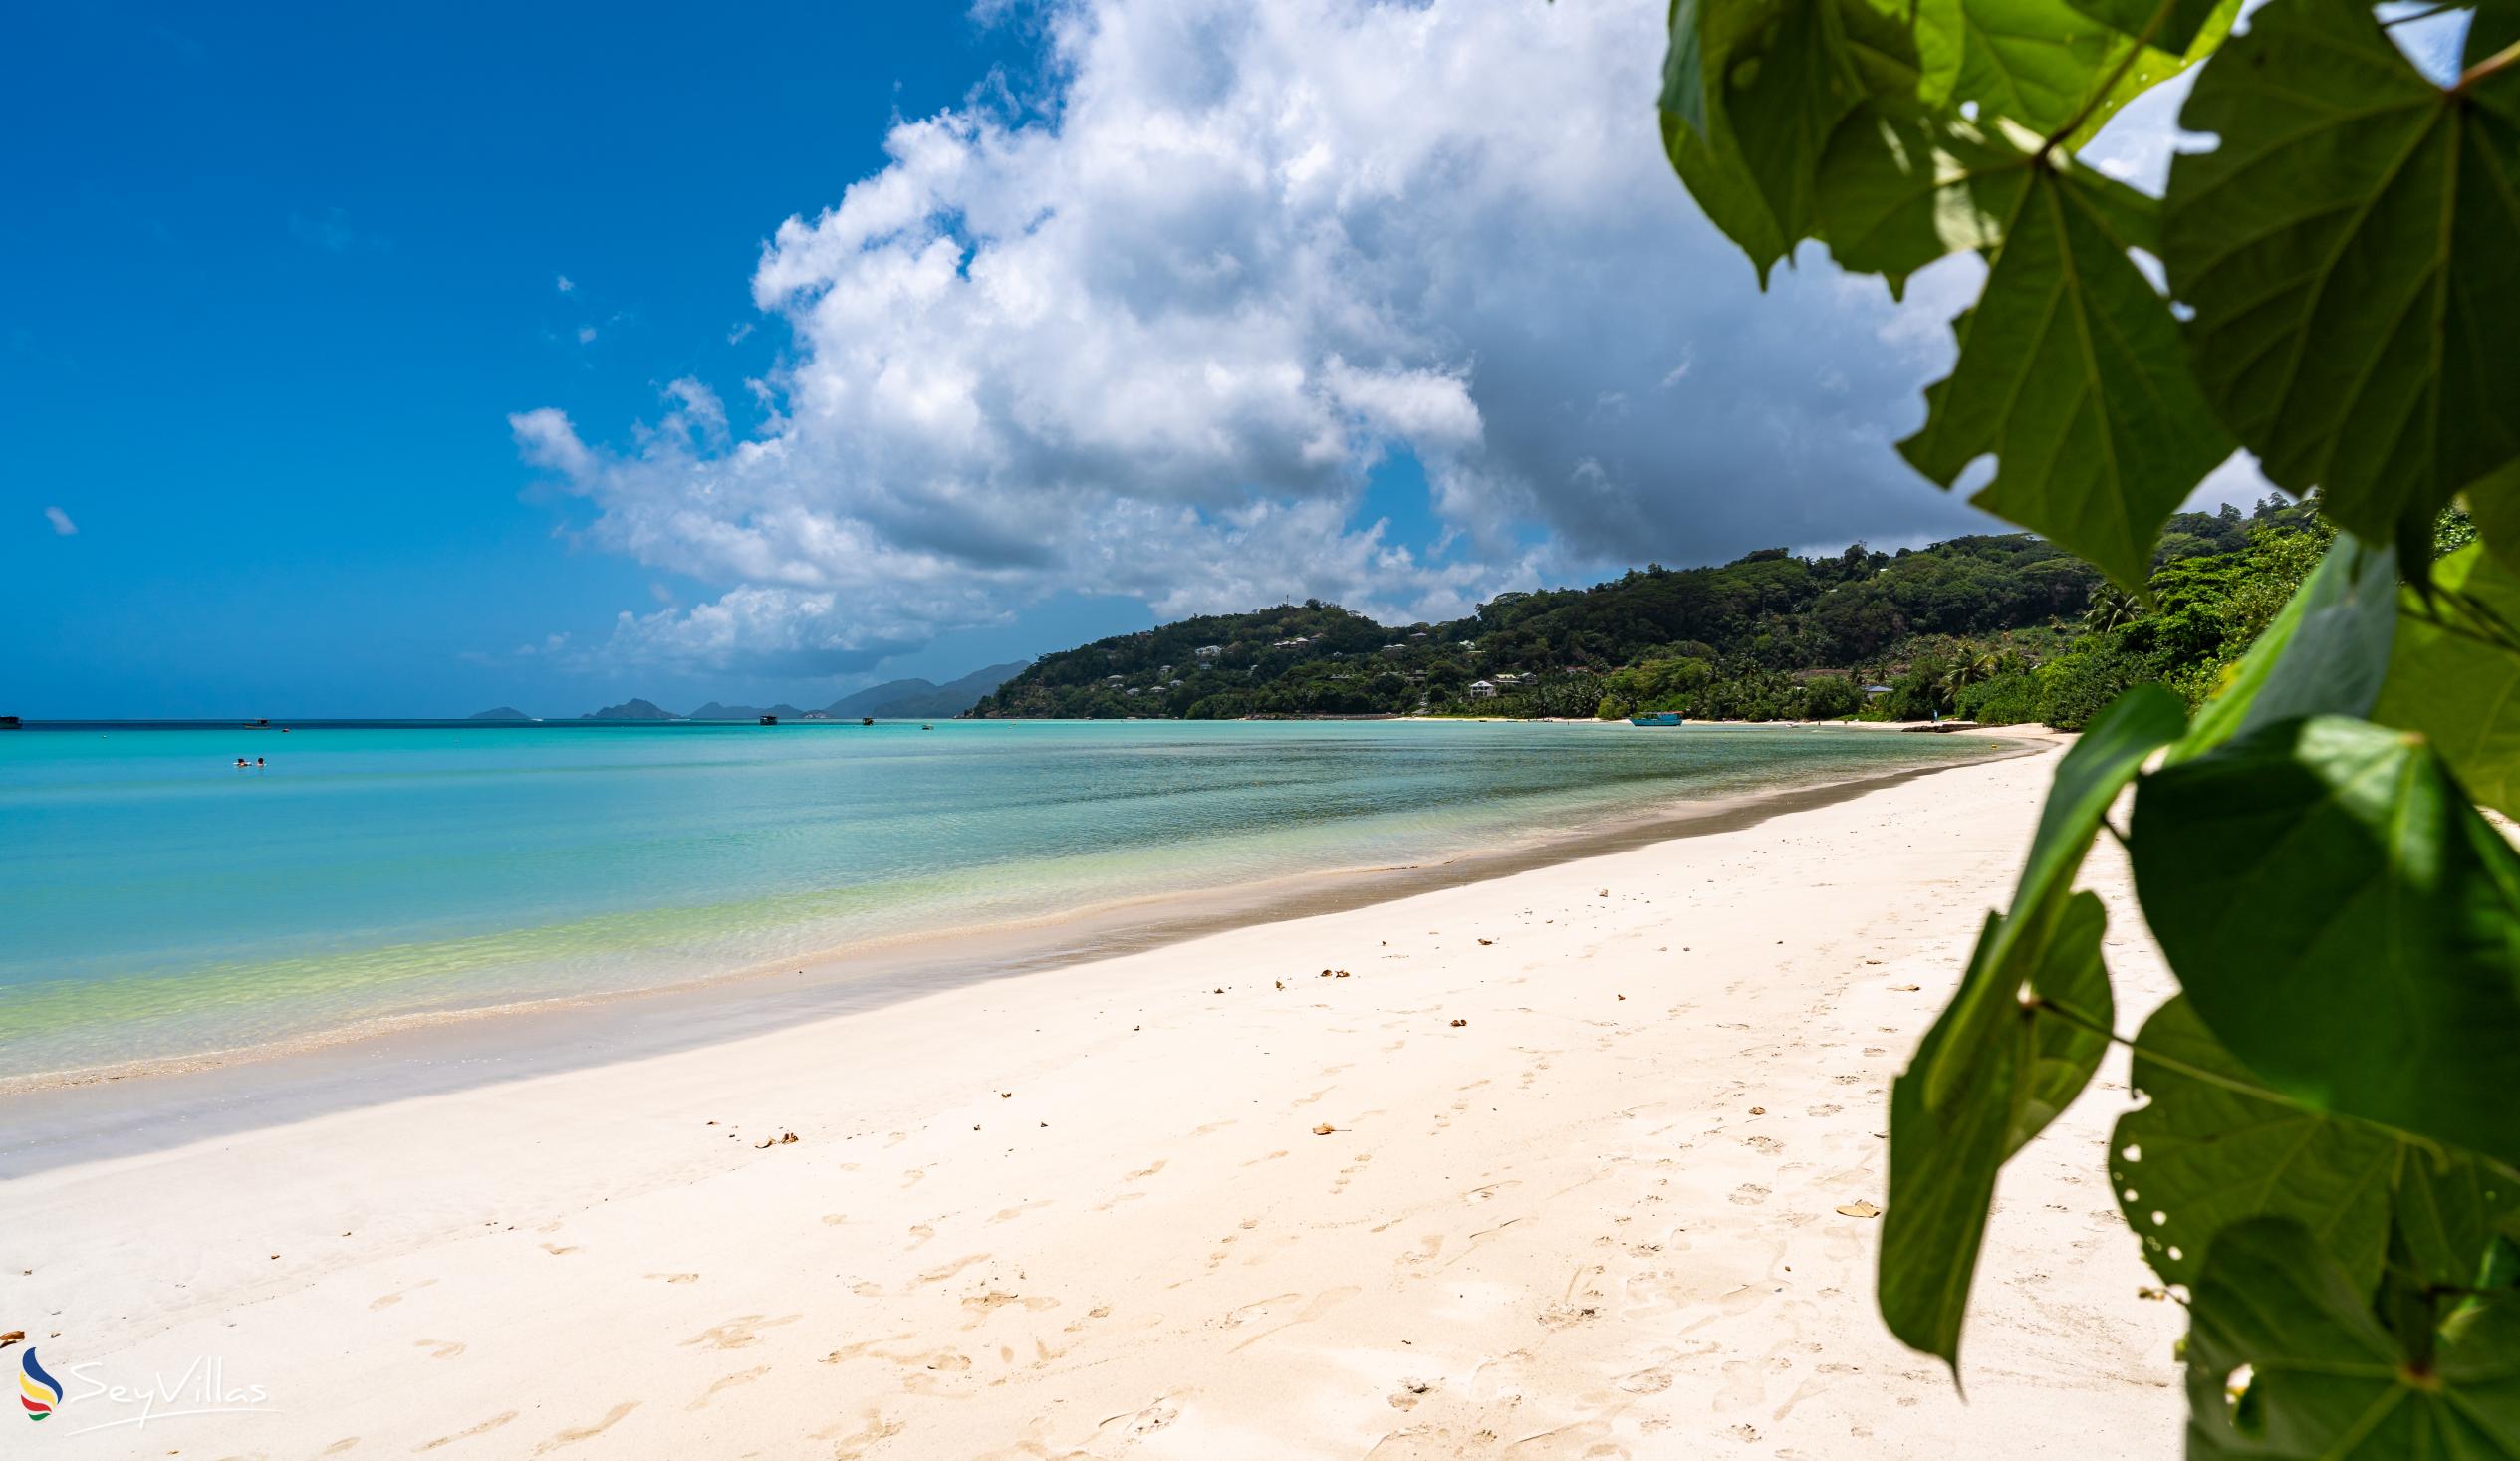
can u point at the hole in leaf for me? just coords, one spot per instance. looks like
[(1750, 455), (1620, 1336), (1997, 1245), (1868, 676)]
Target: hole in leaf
[(2133, 1152), (2248, 1417), (2159, 1217), (2176, 1255), (2131, 1194)]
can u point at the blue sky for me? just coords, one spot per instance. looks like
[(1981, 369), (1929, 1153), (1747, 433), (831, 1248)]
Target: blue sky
[(397, 362)]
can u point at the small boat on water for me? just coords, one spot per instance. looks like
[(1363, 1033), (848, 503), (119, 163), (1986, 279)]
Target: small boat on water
[(1657, 717), (866, 720), (770, 720)]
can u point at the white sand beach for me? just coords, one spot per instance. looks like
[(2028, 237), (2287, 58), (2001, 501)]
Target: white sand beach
[(1549, 1167)]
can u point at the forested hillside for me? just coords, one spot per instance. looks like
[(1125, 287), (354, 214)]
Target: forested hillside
[(1995, 626)]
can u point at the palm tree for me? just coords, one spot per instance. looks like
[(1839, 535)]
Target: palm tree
[(2112, 608)]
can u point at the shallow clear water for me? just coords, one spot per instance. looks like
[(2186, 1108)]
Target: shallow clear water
[(158, 902)]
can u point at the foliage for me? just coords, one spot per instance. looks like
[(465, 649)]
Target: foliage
[(2326, 1156), (1767, 636)]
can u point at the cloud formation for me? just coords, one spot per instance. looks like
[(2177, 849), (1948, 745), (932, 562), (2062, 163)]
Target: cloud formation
[(62, 525), (1149, 338)]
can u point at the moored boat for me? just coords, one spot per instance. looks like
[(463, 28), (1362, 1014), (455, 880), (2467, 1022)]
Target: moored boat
[(1657, 717)]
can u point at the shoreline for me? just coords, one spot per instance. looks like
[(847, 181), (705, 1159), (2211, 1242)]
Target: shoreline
[(68, 1116), (1576, 1162)]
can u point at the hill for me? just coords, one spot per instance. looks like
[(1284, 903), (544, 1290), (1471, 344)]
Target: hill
[(504, 712), (1769, 636), (633, 710), (916, 699)]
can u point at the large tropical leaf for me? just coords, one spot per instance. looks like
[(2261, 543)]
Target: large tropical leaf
[(2170, 25), (2046, 62), (2349, 253), (2344, 923), (2072, 374), (1896, 194), (2324, 655), (2215, 1148), (1753, 90), (2456, 673), (2324, 1378), (2012, 1074), (2102, 760)]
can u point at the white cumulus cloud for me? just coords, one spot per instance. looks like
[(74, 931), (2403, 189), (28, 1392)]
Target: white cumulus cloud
[(1149, 337)]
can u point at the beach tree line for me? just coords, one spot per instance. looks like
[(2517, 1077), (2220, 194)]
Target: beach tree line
[(2322, 1170), (1991, 626)]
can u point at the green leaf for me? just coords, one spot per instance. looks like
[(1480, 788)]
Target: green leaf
[(2015, 1073), (2448, 1209), (2102, 760), (2171, 25), (2204, 1154), (2326, 653), (1684, 69), (2456, 674), (2493, 504), (1894, 195), (2348, 250), (2493, 28), (2325, 1379), (2044, 63), (1753, 90), (2344, 923), (2072, 374)]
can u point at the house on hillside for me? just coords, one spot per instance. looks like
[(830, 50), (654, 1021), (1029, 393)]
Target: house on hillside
[(1482, 690), (1209, 652)]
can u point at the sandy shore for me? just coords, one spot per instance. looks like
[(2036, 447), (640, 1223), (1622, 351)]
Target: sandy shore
[(1589, 1126)]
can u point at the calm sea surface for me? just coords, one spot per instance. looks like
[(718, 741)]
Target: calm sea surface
[(158, 902)]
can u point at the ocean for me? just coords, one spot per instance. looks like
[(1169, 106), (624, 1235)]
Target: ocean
[(161, 905)]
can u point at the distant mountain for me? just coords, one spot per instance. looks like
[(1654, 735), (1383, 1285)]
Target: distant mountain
[(633, 710), (504, 712), (892, 701), (715, 711), (923, 699)]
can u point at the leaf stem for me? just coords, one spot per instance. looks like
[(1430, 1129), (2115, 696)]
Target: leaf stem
[(2073, 1016), (2099, 94), (2488, 67)]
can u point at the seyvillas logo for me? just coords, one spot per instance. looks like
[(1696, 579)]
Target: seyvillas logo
[(38, 1392)]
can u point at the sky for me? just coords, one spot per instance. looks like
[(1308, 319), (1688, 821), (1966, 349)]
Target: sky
[(361, 362)]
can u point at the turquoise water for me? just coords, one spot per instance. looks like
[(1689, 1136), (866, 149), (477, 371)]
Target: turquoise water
[(158, 902)]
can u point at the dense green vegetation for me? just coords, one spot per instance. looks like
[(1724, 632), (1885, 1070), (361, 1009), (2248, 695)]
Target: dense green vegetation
[(2325, 1171), (1993, 627)]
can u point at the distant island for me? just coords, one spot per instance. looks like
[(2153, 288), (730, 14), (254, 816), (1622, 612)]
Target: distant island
[(910, 699), (1995, 627)]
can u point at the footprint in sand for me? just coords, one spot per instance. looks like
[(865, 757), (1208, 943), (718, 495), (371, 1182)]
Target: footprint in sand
[(1321, 1303), (1140, 1176), (557, 1249), (387, 1300), (1764, 1145), (914, 1177), (922, 1232), (1010, 1214), (1271, 1156), (940, 1275), (1749, 1194), (674, 1278), (440, 1349), (728, 1383), (740, 1332), (575, 1434), (484, 1428)]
